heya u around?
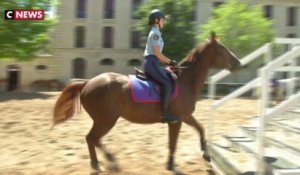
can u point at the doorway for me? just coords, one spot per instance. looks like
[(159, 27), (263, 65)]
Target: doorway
[(13, 77), (79, 68)]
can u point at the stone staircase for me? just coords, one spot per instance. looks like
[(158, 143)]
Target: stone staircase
[(237, 154)]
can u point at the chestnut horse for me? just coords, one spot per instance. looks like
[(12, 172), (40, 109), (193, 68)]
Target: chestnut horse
[(107, 97)]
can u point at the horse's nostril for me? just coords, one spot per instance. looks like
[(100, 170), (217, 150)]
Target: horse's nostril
[(235, 66)]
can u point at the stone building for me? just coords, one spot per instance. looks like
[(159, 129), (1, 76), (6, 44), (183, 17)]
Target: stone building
[(96, 36)]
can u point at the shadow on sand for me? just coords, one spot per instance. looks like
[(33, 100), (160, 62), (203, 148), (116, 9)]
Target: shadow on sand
[(5, 96)]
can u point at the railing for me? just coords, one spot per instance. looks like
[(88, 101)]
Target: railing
[(263, 80), (283, 106), (236, 93), (264, 50), (264, 114), (250, 85), (292, 41), (258, 81)]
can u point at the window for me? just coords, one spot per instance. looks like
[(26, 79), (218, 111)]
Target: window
[(41, 67), (79, 36), (217, 4), (135, 39), (108, 37), (291, 35), (268, 11), (134, 62), (135, 4), (80, 10), (107, 62), (291, 16), (109, 9), (194, 11), (79, 67)]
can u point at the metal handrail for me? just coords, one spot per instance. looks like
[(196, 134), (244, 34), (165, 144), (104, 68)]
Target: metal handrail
[(293, 41), (264, 50), (295, 98), (263, 81), (236, 93), (265, 73)]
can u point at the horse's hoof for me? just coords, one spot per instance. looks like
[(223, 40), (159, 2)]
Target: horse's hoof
[(110, 157), (206, 157), (95, 165), (173, 169), (114, 167), (177, 172), (170, 167)]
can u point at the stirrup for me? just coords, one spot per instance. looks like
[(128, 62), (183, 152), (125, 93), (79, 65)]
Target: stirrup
[(170, 119)]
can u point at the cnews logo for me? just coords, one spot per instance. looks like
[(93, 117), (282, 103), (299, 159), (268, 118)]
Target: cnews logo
[(24, 14)]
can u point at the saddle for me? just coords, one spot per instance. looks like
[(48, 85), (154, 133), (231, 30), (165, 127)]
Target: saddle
[(144, 88), (146, 77)]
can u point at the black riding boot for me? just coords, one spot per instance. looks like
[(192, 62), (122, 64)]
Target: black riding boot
[(166, 100)]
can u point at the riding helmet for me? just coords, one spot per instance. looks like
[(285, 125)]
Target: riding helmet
[(155, 14)]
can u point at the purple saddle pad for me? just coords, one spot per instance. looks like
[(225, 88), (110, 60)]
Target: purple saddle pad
[(143, 91)]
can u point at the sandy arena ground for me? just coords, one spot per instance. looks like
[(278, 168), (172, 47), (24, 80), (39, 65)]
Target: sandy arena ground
[(27, 147)]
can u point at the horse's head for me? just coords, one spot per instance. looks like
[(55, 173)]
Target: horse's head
[(220, 56)]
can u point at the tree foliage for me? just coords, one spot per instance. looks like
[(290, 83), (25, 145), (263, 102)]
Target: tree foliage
[(23, 39), (178, 32), (241, 27)]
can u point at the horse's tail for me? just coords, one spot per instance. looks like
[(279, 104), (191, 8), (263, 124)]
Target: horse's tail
[(65, 105)]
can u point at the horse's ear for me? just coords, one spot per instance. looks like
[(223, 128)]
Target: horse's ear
[(213, 36)]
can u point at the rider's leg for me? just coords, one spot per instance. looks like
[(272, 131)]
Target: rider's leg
[(166, 101), (153, 68)]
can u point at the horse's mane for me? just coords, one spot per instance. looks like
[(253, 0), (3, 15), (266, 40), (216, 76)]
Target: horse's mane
[(193, 54)]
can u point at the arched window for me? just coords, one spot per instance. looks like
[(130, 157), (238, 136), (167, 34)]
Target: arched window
[(109, 9), (13, 67), (134, 62), (107, 62), (81, 9), (40, 67), (79, 68)]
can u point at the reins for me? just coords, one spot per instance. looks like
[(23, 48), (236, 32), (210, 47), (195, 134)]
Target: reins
[(181, 67)]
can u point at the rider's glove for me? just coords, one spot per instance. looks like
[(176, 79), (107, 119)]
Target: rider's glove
[(173, 63)]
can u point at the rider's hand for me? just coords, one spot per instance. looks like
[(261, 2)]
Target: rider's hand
[(173, 63)]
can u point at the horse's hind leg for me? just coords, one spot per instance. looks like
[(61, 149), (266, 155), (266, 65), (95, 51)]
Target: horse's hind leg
[(99, 129), (108, 156), (191, 121)]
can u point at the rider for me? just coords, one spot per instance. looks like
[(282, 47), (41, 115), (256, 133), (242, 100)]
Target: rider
[(153, 56)]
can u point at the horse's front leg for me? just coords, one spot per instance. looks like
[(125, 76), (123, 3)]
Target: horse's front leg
[(191, 121), (173, 137)]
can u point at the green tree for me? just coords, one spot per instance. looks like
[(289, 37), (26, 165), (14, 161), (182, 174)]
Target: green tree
[(178, 32), (241, 27), (21, 40)]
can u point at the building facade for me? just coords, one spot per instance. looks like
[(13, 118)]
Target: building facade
[(285, 14), (96, 36)]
